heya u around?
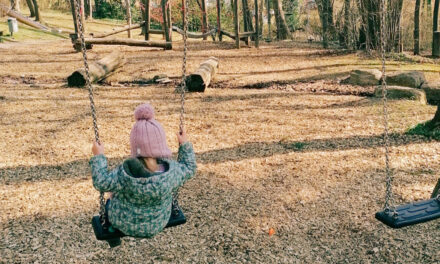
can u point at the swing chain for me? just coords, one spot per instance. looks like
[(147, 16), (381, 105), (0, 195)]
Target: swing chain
[(182, 87), (185, 51), (90, 89), (389, 198)]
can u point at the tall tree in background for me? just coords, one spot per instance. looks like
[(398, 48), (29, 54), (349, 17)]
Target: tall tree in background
[(325, 9), (394, 15), (370, 28), (283, 31), (37, 10), (31, 7), (417, 28), (435, 41)]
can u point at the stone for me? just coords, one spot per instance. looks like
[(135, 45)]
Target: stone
[(405, 93), (364, 77), (413, 79), (432, 93)]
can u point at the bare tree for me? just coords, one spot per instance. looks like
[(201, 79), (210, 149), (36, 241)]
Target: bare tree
[(283, 31), (31, 7), (435, 42), (325, 9), (417, 28), (37, 11)]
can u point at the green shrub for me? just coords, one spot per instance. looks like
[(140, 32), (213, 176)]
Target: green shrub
[(425, 129)]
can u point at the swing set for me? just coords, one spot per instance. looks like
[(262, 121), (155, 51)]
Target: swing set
[(410, 213), (101, 225), (391, 215)]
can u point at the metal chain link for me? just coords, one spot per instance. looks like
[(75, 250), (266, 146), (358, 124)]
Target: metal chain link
[(90, 88), (389, 198), (182, 85)]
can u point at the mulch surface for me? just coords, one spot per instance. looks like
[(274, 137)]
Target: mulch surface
[(290, 163)]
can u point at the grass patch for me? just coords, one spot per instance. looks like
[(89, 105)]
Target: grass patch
[(425, 129)]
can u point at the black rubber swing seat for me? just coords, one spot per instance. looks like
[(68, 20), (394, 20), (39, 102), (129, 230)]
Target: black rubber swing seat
[(112, 235), (411, 214)]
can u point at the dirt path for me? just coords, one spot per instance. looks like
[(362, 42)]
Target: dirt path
[(302, 158)]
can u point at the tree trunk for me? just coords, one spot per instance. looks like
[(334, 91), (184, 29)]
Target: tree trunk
[(347, 26), (283, 31), (73, 8), (90, 10), (166, 27), (417, 28), (325, 10), (31, 7), (204, 18), (147, 19), (269, 18), (37, 11), (98, 70), (82, 17), (435, 24), (201, 78), (128, 12), (236, 25), (393, 17), (436, 44), (257, 25), (219, 25)]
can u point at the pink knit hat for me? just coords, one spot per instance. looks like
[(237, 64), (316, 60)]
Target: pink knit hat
[(147, 137)]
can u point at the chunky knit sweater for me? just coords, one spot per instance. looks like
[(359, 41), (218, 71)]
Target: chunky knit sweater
[(141, 205)]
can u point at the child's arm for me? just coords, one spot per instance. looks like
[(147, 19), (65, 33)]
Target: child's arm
[(187, 160), (103, 180)]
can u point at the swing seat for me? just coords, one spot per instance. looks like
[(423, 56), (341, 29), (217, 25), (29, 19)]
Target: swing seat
[(113, 235), (411, 214)]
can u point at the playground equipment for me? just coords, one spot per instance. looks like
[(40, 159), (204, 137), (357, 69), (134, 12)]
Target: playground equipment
[(100, 223), (411, 213)]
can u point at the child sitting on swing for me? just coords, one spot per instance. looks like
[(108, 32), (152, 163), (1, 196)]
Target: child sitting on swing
[(143, 186)]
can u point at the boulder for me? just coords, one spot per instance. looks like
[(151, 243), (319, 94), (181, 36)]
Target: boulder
[(432, 93), (399, 92), (413, 79), (364, 77)]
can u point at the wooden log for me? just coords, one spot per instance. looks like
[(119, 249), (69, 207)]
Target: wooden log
[(201, 78), (246, 34), (230, 35), (114, 32), (23, 19), (98, 70), (128, 42), (196, 35), (157, 31)]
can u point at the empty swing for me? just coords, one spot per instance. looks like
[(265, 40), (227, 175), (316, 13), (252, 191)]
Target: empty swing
[(410, 213), (102, 227)]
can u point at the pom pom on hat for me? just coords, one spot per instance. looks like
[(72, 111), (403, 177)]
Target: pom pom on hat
[(144, 112)]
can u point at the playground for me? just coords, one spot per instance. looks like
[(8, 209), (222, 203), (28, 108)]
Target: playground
[(302, 155), (290, 159)]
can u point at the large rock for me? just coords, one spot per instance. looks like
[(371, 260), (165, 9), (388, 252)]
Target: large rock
[(413, 79), (399, 92), (432, 93), (365, 77)]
